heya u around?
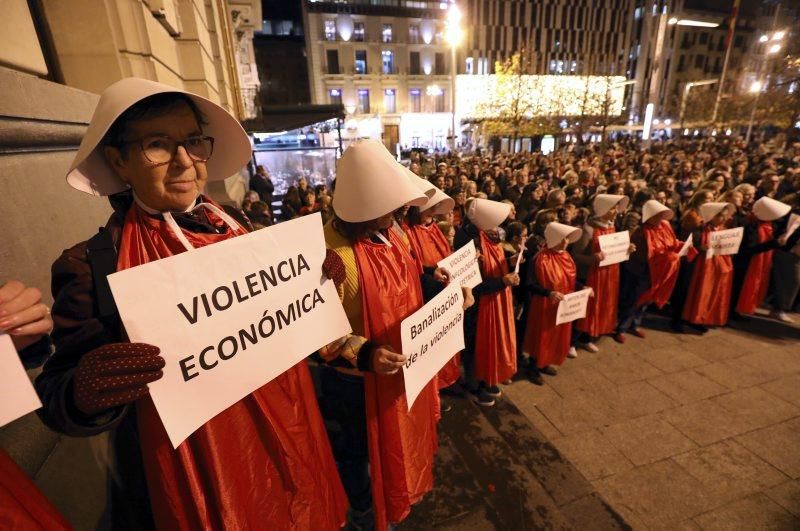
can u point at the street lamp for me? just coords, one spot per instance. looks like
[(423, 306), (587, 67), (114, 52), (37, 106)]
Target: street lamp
[(685, 94), (453, 35)]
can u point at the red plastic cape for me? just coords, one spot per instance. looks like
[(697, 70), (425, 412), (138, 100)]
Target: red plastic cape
[(664, 262), (430, 246), (265, 460), (22, 506), (402, 443), (756, 280), (601, 312), (709, 297), (496, 336), (547, 342)]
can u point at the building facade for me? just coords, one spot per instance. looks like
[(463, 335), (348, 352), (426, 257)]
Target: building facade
[(387, 63)]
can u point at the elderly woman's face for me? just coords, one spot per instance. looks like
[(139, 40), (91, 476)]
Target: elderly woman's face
[(172, 186)]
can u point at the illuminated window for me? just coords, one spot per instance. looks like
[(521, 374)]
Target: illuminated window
[(387, 57), (438, 101), (468, 68), (414, 100), (386, 34), (363, 101), (358, 32), (361, 62), (330, 30), (413, 34), (389, 101), (335, 96)]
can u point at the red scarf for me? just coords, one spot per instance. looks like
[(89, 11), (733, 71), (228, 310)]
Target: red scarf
[(664, 262), (601, 312), (547, 342), (264, 459), (22, 505), (496, 336), (709, 296), (430, 246), (756, 281), (402, 443)]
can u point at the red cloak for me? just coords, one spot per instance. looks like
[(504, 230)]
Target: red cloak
[(756, 280), (547, 342), (402, 443), (601, 312), (264, 460), (709, 296), (496, 336), (22, 506), (430, 247), (664, 263)]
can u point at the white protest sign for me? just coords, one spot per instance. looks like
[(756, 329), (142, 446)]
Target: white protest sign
[(19, 396), (230, 317), (615, 247), (431, 336), (686, 245), (724, 242), (792, 225), (463, 266), (573, 306), (519, 258)]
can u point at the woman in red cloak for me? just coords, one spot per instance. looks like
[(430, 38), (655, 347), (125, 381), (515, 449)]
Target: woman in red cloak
[(386, 450), (490, 354), (553, 276), (752, 265), (27, 322), (430, 246), (265, 459), (601, 312), (708, 300)]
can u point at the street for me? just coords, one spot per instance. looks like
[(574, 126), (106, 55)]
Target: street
[(667, 432)]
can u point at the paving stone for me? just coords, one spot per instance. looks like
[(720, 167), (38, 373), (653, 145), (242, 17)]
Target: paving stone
[(729, 471), (672, 358), (754, 512), (787, 388), (635, 400), (593, 454), (647, 439), (735, 375), (759, 407), (787, 495), (623, 368), (577, 414), (660, 494), (777, 445), (715, 348), (592, 512), (706, 422), (687, 386), (525, 396), (573, 380), (779, 360)]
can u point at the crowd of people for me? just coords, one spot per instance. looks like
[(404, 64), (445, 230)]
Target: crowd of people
[(291, 456)]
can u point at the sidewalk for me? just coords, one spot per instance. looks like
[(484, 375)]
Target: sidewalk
[(668, 432)]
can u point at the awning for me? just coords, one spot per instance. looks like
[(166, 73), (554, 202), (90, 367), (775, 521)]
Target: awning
[(288, 117)]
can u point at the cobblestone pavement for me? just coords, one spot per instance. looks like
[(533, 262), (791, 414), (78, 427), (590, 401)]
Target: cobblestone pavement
[(668, 432)]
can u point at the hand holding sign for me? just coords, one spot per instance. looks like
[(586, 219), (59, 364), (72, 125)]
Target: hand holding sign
[(686, 245), (724, 242), (463, 266), (573, 306), (19, 397), (615, 247)]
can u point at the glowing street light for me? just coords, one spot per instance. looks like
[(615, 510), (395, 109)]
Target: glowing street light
[(775, 48), (756, 86), (763, 38), (778, 35), (691, 22)]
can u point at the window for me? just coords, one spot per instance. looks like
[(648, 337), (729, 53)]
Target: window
[(414, 100), (386, 34), (483, 66), (703, 37), (358, 32), (438, 101), (335, 96), (698, 61), (468, 66), (413, 34), (413, 64), (387, 57), (681, 65), (389, 101), (361, 62), (330, 30), (439, 64), (333, 61), (363, 101)]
